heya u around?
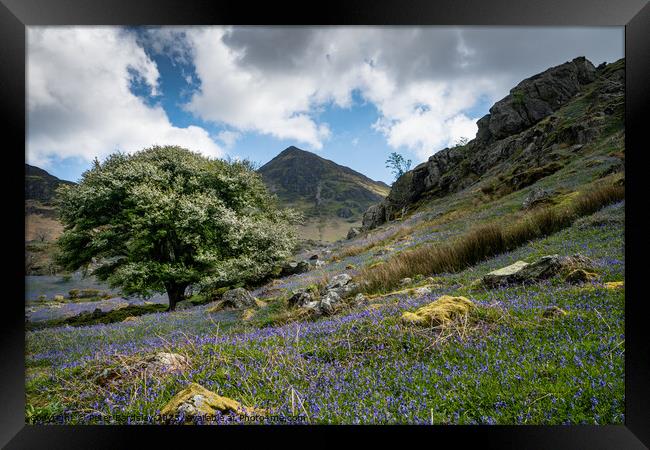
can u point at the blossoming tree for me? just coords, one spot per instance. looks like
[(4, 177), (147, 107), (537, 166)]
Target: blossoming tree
[(165, 218)]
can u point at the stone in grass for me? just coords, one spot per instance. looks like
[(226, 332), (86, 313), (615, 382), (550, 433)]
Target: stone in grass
[(341, 284), (553, 311), (195, 400), (158, 363), (422, 291), (580, 276), (131, 319), (166, 362), (339, 281), (545, 267), (439, 312), (300, 298), (294, 268), (405, 281), (504, 274), (329, 302), (238, 298), (360, 300)]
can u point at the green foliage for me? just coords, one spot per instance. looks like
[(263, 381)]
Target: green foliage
[(398, 164), (165, 218)]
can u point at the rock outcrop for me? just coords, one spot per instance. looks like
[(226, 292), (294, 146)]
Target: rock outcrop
[(535, 98), (521, 136), (544, 268)]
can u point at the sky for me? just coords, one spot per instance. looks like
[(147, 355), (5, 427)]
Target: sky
[(349, 94)]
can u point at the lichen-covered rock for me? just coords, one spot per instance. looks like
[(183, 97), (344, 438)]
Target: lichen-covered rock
[(544, 268), (503, 275), (439, 312), (360, 300), (342, 285), (422, 291), (166, 362), (338, 281), (195, 400), (329, 302), (553, 312), (580, 276), (300, 298), (537, 197), (161, 363), (238, 298), (405, 281)]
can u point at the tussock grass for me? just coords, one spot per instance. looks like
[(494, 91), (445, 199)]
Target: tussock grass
[(484, 241)]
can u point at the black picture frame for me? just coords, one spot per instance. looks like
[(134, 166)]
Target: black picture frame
[(15, 15)]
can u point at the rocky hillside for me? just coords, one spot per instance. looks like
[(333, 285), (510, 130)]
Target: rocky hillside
[(543, 124), (40, 185), (331, 196)]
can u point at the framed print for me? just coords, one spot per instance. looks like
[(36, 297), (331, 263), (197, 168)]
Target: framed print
[(420, 218)]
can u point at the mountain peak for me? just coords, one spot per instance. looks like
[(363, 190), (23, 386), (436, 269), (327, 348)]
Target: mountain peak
[(321, 189)]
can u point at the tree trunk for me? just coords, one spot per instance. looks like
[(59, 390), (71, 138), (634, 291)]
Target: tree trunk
[(176, 293)]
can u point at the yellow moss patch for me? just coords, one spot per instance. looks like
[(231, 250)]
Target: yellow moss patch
[(195, 400), (440, 312), (260, 303), (614, 284), (131, 319), (248, 314), (580, 276)]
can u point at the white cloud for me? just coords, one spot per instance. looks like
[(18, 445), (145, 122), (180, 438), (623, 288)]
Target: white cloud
[(424, 82), (228, 137), (250, 100), (79, 98), (247, 88)]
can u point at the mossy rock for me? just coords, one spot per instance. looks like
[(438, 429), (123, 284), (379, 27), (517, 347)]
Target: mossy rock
[(580, 276), (248, 314), (553, 312), (439, 312), (195, 400)]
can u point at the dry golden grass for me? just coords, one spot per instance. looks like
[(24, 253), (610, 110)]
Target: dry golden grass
[(484, 241)]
